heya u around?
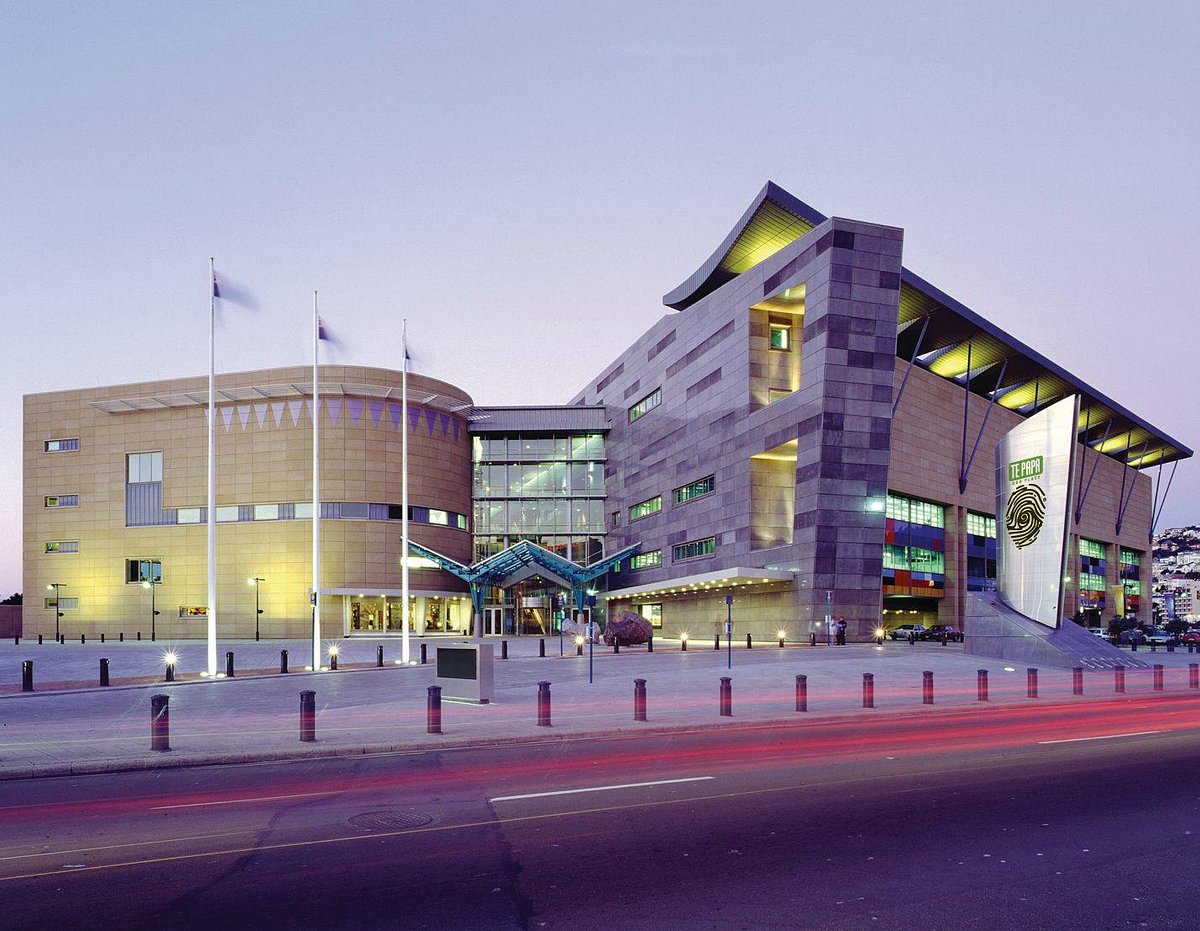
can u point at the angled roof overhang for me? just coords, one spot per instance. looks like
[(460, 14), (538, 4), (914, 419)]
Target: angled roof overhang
[(521, 561), (942, 336)]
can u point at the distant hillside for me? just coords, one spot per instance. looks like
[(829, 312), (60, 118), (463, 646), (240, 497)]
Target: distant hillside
[(1177, 552)]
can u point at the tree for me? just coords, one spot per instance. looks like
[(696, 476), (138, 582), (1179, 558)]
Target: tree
[(13, 599)]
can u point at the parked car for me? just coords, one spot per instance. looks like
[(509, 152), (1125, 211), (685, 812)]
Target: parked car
[(1098, 631), (1191, 636), (904, 631), (1159, 638), (937, 631), (1133, 635)]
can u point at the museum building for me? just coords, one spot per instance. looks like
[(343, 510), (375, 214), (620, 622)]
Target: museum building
[(810, 429)]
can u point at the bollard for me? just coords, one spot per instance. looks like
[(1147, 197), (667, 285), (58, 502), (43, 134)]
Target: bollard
[(308, 716), (579, 647), (812, 640), (27, 675), (121, 637), (683, 644), (283, 658), (104, 671), (981, 685), (1194, 675), (650, 643), (639, 699), (82, 638), (944, 638), (1133, 646), (717, 642), (229, 664), (542, 646), (1170, 647), (333, 662), (504, 649), (1153, 647), (868, 690), (781, 643), (1190, 648), (616, 645), (749, 642), (424, 654), (17, 641), (543, 704), (139, 636), (1158, 677), (170, 673), (102, 638), (39, 639), (726, 697), (379, 655), (801, 693), (1077, 680), (1031, 682), (1118, 679), (433, 710), (927, 687), (62, 638), (160, 722)]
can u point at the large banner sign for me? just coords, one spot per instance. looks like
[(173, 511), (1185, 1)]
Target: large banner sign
[(1035, 463)]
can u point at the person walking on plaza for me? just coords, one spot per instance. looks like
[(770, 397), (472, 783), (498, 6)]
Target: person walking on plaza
[(841, 632)]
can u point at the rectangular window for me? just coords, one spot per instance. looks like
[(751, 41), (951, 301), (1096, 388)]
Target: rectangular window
[(302, 510), (439, 517), (142, 570), (62, 446), (193, 611), (695, 549), (777, 394), (266, 512), (1091, 548), (143, 467), (616, 519), (646, 560), (63, 546), (227, 514), (652, 613), (188, 515), (781, 336), (61, 501), (68, 603), (980, 525), (697, 489), (648, 403), (925, 513), (645, 508)]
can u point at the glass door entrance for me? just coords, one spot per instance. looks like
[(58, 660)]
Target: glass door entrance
[(493, 622)]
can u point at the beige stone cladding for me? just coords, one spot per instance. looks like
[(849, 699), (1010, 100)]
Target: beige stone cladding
[(927, 453), (264, 469)]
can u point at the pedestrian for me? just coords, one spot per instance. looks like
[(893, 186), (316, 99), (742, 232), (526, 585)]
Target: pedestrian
[(841, 632)]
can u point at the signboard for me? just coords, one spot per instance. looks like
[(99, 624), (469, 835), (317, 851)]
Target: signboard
[(1035, 466), (465, 671)]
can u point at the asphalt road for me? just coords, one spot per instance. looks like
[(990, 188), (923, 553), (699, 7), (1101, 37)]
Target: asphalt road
[(1027, 817)]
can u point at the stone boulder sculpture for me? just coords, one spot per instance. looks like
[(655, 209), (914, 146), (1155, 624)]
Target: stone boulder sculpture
[(627, 628)]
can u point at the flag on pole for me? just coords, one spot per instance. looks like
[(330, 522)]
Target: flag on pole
[(232, 293), (216, 287)]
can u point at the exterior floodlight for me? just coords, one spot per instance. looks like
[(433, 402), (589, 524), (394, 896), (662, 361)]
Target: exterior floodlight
[(579, 640), (333, 650), (170, 658)]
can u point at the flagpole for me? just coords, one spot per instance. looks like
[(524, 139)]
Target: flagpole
[(211, 609), (316, 506), (404, 645)]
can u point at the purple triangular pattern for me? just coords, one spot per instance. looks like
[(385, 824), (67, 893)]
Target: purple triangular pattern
[(445, 418), (308, 406), (244, 415), (414, 417), (277, 408), (354, 406), (227, 416), (260, 413), (430, 420), (294, 407), (334, 406), (454, 424), (394, 410), (376, 409)]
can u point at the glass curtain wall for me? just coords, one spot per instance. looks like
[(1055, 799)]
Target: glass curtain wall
[(981, 552), (914, 561)]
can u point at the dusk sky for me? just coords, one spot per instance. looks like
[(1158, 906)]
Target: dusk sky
[(524, 181)]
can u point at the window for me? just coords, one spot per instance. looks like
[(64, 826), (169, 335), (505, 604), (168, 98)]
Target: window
[(924, 513), (63, 546), (980, 525), (645, 508), (697, 489), (695, 549), (143, 467), (646, 560), (67, 603), (62, 446), (777, 394), (652, 613), (781, 336), (188, 515), (1091, 548), (266, 512), (648, 403), (61, 501), (439, 517), (193, 611), (142, 570), (227, 514), (616, 519)]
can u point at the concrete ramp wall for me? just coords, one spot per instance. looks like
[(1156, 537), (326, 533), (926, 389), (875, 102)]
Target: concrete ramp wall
[(995, 630)]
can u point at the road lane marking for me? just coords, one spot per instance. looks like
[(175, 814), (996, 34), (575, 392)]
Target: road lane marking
[(627, 785), (1071, 740), (242, 801)]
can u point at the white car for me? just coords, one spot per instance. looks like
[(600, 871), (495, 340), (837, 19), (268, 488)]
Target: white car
[(904, 631)]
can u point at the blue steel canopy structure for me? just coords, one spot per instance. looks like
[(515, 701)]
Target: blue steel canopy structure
[(522, 561)]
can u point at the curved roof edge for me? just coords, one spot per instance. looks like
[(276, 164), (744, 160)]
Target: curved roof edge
[(711, 275)]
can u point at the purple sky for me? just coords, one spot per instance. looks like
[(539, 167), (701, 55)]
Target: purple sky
[(525, 181)]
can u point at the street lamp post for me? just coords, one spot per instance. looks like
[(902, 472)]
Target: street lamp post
[(152, 583), (55, 586), (729, 630), (591, 606), (257, 610)]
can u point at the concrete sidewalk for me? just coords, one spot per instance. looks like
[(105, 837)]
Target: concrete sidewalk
[(70, 725)]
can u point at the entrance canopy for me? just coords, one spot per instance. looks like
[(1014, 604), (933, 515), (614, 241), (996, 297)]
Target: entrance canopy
[(522, 561)]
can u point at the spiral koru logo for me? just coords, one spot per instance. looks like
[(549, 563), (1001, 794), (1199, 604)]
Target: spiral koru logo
[(1025, 513)]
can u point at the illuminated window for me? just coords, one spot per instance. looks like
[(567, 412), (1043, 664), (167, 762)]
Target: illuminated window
[(188, 515), (645, 508), (648, 403), (980, 525), (781, 336), (694, 549), (64, 603), (61, 501), (652, 613), (266, 512), (193, 611), (62, 446), (646, 560), (143, 467), (777, 394), (697, 489), (1091, 548), (63, 546), (142, 570), (227, 514)]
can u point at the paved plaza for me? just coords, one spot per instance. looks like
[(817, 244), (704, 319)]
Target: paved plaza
[(69, 724)]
